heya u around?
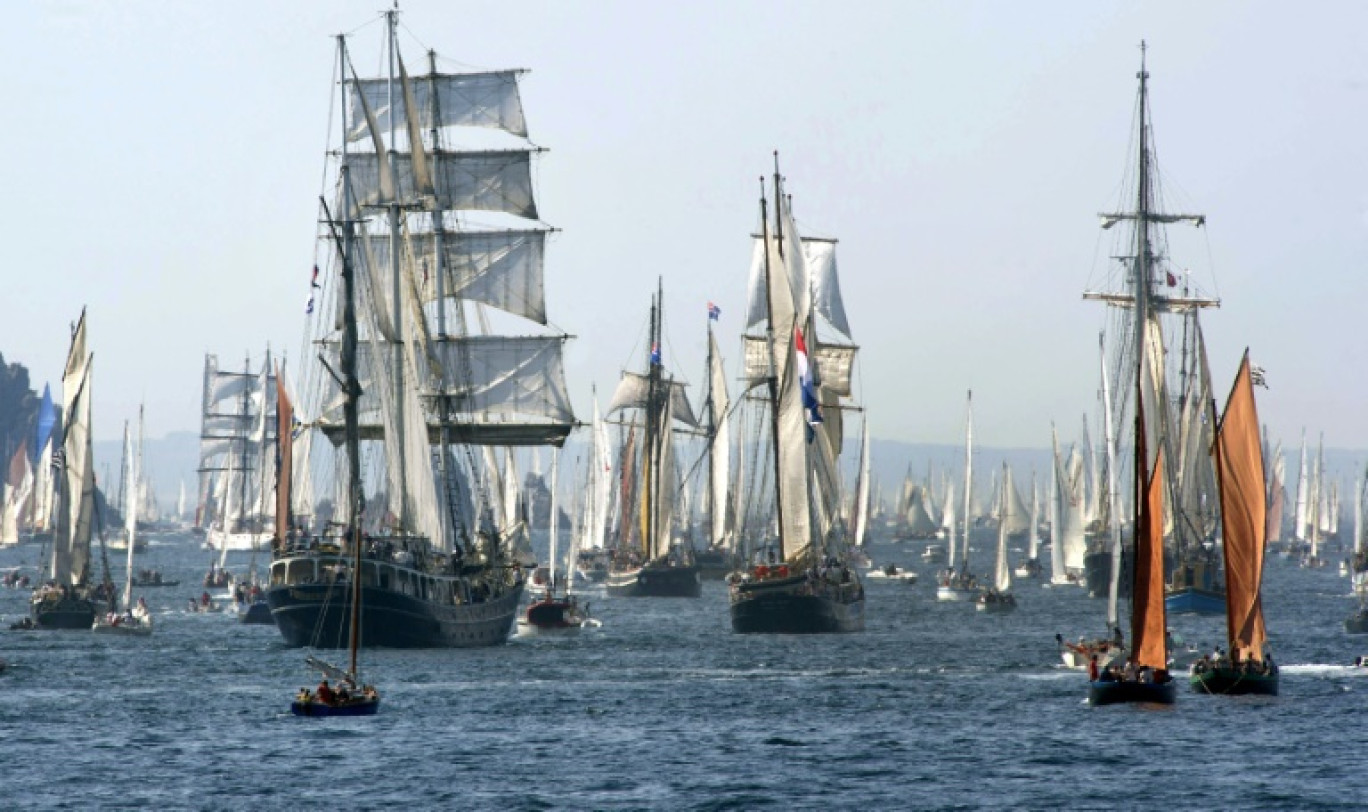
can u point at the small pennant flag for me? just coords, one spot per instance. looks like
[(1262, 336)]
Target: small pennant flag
[(308, 308), (1257, 376), (313, 283), (655, 354), (1171, 279), (714, 312)]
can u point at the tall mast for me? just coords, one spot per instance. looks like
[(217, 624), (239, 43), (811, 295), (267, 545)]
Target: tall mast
[(1142, 293), (968, 479), (772, 380), (246, 415), (396, 446), (649, 463)]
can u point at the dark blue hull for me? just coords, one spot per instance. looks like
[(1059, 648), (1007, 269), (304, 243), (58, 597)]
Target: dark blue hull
[(69, 613), (789, 607), (1191, 600), (318, 615), (656, 582), (1115, 693)]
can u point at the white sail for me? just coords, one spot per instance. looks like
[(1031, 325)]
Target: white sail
[(488, 99), (1002, 574), (502, 269), (666, 488), (632, 392), (71, 542), (495, 181), (601, 461), (1058, 572), (860, 510), (1033, 531), (1299, 523), (1014, 514), (968, 481), (719, 458)]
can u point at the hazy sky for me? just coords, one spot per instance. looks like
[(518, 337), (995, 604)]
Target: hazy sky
[(163, 160)]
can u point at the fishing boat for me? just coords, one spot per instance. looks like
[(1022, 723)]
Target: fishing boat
[(1145, 677), (67, 600), (135, 618), (957, 583), (998, 597), (444, 330), (648, 561), (807, 586), (1240, 480)]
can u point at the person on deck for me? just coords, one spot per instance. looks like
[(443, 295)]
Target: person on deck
[(1093, 670), (325, 693)]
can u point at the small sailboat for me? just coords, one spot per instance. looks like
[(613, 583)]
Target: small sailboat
[(350, 697), (1240, 478), (556, 612), (67, 599), (1031, 567), (960, 584), (998, 597), (135, 619)]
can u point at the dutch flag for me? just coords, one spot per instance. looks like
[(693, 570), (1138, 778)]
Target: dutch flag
[(805, 380)]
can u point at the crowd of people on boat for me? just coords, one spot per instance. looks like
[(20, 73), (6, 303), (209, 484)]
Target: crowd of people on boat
[(954, 580), (1218, 660), (346, 693), (15, 579), (1130, 672)]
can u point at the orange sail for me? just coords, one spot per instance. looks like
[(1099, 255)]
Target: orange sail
[(1148, 647), (1240, 471), (285, 463)]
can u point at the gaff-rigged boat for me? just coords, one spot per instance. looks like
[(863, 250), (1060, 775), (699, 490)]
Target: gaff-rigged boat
[(67, 600), (1240, 479), (647, 561)]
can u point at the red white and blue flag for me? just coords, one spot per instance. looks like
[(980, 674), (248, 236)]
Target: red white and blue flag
[(714, 312), (655, 354), (814, 414)]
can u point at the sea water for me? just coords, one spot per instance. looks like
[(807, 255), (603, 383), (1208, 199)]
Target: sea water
[(935, 705)]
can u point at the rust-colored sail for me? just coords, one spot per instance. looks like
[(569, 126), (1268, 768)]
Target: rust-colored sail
[(1148, 620), (1239, 466), (285, 452)]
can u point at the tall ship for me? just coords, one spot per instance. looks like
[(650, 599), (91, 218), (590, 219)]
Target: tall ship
[(1177, 384), (799, 581), (237, 455), (647, 560), (434, 350)]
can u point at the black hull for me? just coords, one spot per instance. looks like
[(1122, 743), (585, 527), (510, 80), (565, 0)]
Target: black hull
[(782, 607), (553, 614), (257, 613), (1233, 682), (71, 613), (1116, 693), (318, 615), (656, 582)]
